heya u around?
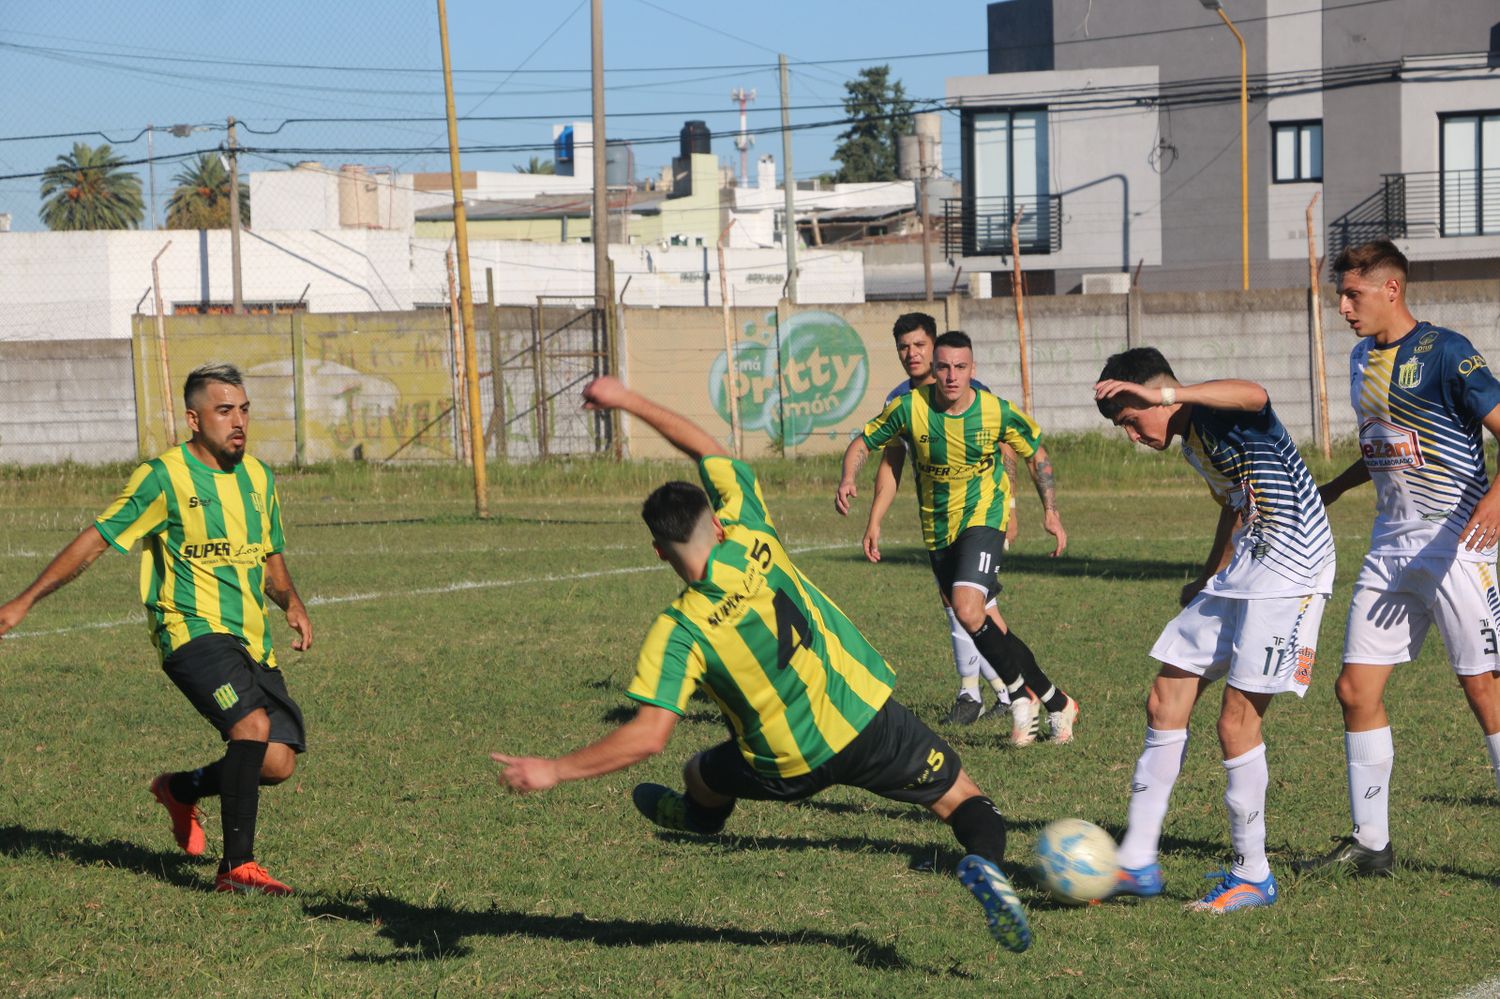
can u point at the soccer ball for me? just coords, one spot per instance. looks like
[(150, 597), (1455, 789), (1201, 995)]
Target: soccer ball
[(1077, 861)]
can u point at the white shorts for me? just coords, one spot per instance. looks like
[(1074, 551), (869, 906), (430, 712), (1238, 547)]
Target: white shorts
[(1265, 645), (1396, 599)]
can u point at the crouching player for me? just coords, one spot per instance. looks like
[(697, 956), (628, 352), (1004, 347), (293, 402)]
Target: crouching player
[(806, 696), (1252, 615)]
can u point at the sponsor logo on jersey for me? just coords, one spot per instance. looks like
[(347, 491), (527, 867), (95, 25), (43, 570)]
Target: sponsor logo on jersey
[(1409, 374), (194, 502), (217, 553), (957, 472), (1469, 365), (1428, 341), (1387, 447)]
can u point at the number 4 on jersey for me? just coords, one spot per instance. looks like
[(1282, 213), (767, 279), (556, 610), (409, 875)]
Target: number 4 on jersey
[(792, 630)]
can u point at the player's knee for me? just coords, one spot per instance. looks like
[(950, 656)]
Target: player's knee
[(1352, 694), (280, 763), (970, 614), (254, 727)]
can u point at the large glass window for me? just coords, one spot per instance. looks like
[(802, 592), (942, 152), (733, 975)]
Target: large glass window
[(1009, 173), (1298, 152), (1471, 174)]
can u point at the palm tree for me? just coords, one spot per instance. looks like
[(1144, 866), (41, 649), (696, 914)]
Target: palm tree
[(537, 165), (86, 189), (201, 200)]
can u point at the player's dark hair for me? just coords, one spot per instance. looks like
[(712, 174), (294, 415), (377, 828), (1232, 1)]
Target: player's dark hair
[(914, 321), (673, 510), (954, 338), (203, 374), (1138, 365), (1370, 256)]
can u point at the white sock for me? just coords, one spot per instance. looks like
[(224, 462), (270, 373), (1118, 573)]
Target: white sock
[(966, 658), (1151, 788), (1492, 742), (1371, 756), (1246, 800), (968, 687)]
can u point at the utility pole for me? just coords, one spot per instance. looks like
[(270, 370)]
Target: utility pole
[(465, 291), (922, 214), (234, 221), (600, 233), (743, 141), (151, 169), (789, 187)]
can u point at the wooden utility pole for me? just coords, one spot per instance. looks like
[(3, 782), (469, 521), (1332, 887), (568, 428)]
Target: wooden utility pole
[(234, 222), (1020, 296), (926, 222), (1315, 306), (731, 368), (789, 189), (169, 414), (465, 291), (600, 233)]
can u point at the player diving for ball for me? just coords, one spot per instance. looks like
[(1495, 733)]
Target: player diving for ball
[(954, 433), (806, 696), (1252, 615)]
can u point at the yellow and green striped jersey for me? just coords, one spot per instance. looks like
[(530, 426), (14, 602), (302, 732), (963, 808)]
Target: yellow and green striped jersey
[(205, 536), (793, 676), (961, 482)]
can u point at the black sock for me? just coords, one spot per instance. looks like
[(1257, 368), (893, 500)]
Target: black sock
[(991, 643), (979, 827), (239, 794), (1053, 698), (704, 819), (188, 786)]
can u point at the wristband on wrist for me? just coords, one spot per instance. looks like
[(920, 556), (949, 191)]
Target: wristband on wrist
[(1168, 396)]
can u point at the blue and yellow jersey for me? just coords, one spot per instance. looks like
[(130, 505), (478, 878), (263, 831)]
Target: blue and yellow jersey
[(1283, 545), (961, 482), (205, 536), (1420, 403), (793, 676)]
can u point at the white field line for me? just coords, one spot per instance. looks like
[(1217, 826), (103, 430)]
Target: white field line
[(1489, 989), (458, 586)]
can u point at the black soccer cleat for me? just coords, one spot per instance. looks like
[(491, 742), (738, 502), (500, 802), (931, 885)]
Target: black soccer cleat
[(1352, 856), (965, 711)]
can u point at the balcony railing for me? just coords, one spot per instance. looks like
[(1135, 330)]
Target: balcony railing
[(979, 227), (1422, 206)]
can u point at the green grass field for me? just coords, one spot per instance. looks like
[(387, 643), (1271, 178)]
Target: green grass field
[(440, 639)]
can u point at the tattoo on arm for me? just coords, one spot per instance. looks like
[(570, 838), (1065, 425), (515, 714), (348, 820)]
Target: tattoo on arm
[(1008, 459), (1046, 481)]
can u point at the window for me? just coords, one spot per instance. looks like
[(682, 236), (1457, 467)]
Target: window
[(1470, 158), (1298, 152), (1007, 170)]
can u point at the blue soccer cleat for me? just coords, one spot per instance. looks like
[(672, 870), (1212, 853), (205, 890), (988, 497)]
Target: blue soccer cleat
[(1142, 882), (1002, 909), (1236, 893)]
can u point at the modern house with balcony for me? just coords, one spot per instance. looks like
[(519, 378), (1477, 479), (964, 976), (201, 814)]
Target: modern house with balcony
[(1107, 136)]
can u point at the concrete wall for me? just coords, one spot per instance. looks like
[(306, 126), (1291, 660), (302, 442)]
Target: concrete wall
[(70, 400)]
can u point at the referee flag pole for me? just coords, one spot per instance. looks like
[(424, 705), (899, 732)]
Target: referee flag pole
[(465, 291)]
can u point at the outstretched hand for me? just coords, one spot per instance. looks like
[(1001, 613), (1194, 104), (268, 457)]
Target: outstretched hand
[(11, 614), (846, 491), (524, 774), (604, 392)]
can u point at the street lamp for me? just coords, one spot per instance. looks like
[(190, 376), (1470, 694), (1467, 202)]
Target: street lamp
[(182, 132), (1218, 7)]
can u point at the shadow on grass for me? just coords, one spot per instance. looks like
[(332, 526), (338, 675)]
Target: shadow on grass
[(171, 866), (1463, 800), (425, 933), (1046, 565), (493, 520)]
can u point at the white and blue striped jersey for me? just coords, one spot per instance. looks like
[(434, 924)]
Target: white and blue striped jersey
[(1283, 546), (1420, 403)]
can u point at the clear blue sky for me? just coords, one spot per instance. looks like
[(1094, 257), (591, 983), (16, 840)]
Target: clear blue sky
[(112, 68)]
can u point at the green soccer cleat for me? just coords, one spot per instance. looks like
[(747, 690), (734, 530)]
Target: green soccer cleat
[(1002, 909)]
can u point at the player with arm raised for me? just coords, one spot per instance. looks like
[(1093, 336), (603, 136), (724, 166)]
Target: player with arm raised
[(1252, 616), (1423, 397), (954, 433), (916, 338), (209, 522), (806, 696)]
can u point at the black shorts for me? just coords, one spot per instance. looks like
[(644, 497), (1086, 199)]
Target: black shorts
[(896, 757), (972, 559), (224, 684)]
